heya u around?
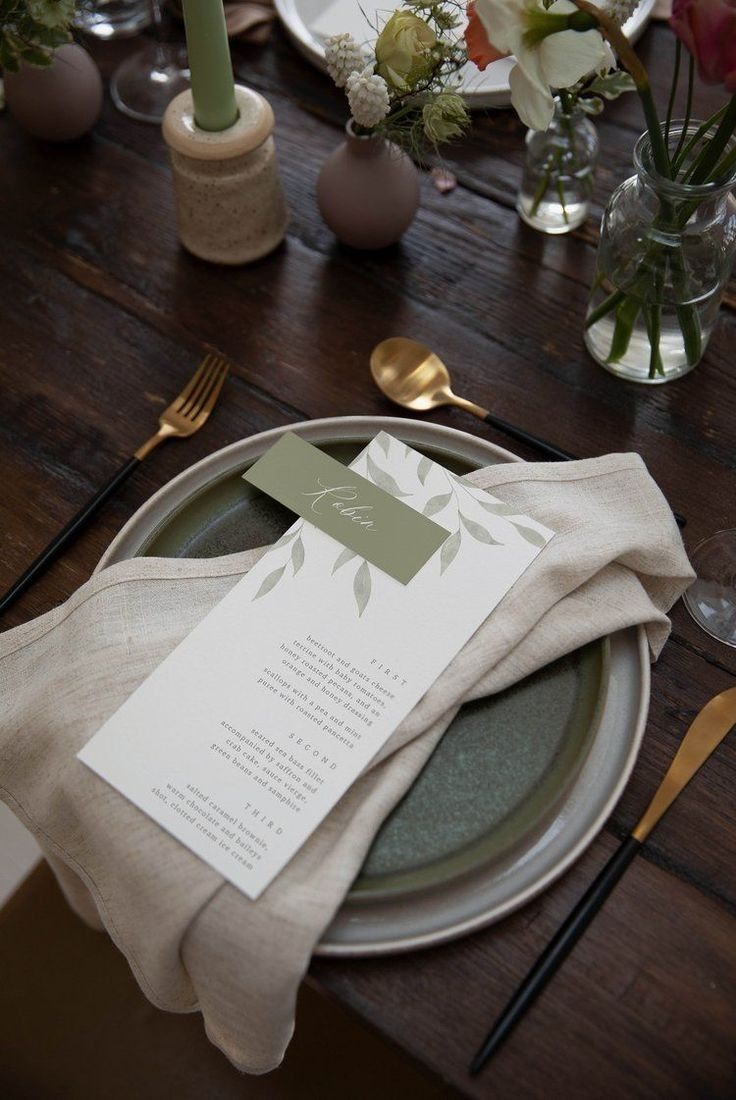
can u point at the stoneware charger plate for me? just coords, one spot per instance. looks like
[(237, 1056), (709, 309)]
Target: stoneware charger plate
[(309, 23), (521, 782)]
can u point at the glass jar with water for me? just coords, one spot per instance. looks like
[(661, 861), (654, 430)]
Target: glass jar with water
[(557, 184), (664, 260)]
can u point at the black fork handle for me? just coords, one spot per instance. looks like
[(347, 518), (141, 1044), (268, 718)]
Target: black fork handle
[(68, 533)]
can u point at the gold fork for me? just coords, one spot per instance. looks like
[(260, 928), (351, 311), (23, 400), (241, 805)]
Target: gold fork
[(187, 413), (183, 417)]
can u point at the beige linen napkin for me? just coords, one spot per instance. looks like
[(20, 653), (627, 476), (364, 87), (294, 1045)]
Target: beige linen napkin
[(192, 940)]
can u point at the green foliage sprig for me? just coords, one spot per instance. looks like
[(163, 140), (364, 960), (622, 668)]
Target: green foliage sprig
[(30, 31)]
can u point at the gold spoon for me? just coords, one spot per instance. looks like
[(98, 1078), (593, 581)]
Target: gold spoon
[(705, 734), (413, 376)]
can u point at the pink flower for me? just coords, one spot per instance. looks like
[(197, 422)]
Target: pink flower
[(707, 28), (480, 50)]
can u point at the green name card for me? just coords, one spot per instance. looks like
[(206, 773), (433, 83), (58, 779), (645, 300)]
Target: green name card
[(368, 520)]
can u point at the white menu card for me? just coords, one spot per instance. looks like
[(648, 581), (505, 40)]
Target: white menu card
[(243, 739)]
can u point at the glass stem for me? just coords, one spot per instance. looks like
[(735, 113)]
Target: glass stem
[(157, 22)]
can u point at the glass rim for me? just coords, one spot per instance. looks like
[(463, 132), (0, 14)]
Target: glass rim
[(645, 166)]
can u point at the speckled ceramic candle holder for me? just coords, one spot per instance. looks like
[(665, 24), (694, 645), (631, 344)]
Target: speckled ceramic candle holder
[(229, 203)]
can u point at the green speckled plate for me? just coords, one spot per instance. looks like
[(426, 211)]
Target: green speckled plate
[(521, 781)]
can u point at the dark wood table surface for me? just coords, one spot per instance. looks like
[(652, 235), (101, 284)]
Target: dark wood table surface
[(102, 316)]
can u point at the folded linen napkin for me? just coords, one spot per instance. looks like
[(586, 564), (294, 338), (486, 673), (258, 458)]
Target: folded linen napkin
[(192, 940)]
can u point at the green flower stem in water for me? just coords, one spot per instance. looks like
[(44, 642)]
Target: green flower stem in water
[(687, 315), (561, 197), (653, 317), (628, 302), (605, 307), (553, 164), (627, 311), (669, 216), (541, 191)]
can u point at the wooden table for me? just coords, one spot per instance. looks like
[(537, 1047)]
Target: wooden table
[(101, 318)]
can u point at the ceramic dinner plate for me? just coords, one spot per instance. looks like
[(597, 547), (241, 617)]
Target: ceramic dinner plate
[(521, 781), (310, 22)]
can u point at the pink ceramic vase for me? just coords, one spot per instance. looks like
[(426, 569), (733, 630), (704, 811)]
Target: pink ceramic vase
[(368, 191), (59, 102)]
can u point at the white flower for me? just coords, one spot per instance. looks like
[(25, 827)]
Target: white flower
[(546, 57), (368, 97), (343, 56)]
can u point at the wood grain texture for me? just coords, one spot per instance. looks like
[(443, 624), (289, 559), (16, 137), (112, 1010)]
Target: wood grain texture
[(103, 316)]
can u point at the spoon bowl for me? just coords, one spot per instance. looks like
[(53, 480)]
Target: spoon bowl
[(411, 374), (415, 377)]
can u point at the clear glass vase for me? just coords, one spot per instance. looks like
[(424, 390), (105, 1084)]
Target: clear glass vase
[(664, 260), (558, 172)]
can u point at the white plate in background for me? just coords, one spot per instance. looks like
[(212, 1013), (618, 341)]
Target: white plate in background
[(309, 22)]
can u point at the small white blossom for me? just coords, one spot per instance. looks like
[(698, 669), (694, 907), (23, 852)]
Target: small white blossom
[(343, 56), (368, 97), (619, 10)]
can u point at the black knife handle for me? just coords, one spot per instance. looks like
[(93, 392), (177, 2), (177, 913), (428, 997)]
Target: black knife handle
[(542, 445), (556, 951)]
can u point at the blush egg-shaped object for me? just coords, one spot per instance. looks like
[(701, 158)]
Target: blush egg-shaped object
[(60, 102)]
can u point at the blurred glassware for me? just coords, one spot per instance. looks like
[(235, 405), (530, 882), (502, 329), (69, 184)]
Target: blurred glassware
[(112, 18), (711, 599), (144, 85)]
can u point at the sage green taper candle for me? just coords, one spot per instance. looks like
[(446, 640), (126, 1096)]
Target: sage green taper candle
[(213, 88)]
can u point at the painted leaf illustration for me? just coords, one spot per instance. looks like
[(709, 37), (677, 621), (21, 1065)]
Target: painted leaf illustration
[(532, 536), (477, 531), (423, 468), (383, 480), (496, 508), (270, 582), (343, 557), (449, 550), (362, 587), (297, 555), (383, 442), (436, 504), (287, 537)]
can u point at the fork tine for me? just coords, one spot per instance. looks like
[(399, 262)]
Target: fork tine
[(194, 398), (197, 399), (191, 385), (208, 402)]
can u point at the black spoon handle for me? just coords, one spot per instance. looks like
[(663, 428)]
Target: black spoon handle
[(527, 437), (556, 951), (65, 536), (542, 445)]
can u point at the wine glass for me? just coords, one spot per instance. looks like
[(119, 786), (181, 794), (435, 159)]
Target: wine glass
[(711, 599), (108, 19), (144, 85)]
